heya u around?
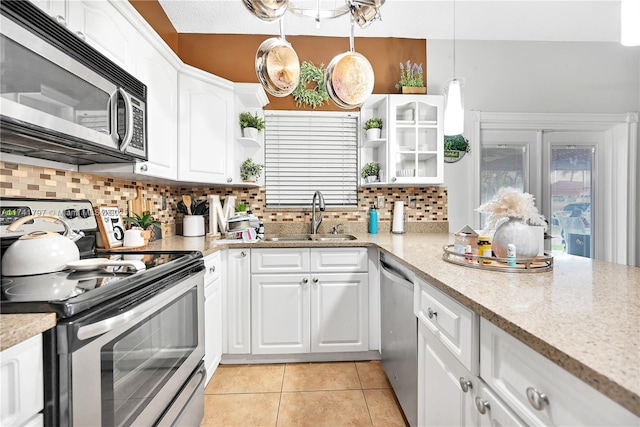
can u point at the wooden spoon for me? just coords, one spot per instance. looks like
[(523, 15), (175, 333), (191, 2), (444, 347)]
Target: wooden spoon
[(187, 201)]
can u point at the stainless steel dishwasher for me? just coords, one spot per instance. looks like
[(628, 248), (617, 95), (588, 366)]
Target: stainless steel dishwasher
[(399, 337)]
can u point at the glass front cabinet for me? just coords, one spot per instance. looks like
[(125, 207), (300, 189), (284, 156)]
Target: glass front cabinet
[(411, 150)]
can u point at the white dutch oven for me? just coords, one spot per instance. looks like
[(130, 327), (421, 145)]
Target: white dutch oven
[(40, 252)]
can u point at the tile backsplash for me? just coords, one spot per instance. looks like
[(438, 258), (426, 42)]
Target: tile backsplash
[(20, 180)]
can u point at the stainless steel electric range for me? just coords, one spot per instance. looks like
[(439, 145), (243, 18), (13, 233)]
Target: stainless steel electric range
[(129, 342)]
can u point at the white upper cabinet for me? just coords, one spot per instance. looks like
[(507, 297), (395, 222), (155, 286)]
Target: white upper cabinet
[(205, 123), (104, 28), (416, 151), (57, 9), (161, 78), (410, 150)]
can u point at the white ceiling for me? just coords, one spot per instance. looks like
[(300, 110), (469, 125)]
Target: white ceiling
[(542, 20)]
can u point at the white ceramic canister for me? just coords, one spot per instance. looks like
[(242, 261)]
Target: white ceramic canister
[(193, 226)]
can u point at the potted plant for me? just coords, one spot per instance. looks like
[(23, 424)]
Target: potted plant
[(455, 147), (250, 171), (411, 78), (373, 126), (370, 171), (143, 222), (241, 209), (251, 124)]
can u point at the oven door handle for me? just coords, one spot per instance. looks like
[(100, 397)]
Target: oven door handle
[(104, 326), (150, 304)]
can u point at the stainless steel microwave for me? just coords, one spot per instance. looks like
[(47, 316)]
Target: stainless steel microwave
[(62, 100)]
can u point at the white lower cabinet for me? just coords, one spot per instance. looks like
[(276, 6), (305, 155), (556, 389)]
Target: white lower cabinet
[(471, 372), (212, 313), (538, 390), (302, 307), (237, 298), (441, 399), (22, 384), (280, 313)]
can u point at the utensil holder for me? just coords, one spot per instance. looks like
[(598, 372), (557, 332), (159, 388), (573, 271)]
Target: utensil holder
[(193, 226)]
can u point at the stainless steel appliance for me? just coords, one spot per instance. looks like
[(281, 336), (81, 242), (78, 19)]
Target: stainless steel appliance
[(399, 337), (62, 100), (129, 344)]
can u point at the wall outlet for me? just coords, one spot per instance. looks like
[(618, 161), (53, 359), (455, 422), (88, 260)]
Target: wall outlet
[(380, 202), (412, 201)]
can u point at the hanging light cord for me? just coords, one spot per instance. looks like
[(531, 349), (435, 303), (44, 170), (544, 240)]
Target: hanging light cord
[(454, 39)]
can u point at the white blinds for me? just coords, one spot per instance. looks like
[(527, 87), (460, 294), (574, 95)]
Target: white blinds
[(309, 151)]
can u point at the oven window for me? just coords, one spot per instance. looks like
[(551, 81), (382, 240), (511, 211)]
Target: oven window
[(137, 364)]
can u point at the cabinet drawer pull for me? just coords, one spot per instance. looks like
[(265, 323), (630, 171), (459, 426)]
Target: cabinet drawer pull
[(431, 313), (465, 384), (243, 254), (482, 405), (536, 399), (229, 179), (212, 269)]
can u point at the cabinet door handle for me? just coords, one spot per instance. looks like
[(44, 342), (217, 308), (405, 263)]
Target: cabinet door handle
[(305, 280), (60, 20), (243, 254), (537, 399), (431, 313), (212, 269), (81, 35), (394, 179), (315, 280), (144, 167), (229, 179), (482, 405), (465, 384)]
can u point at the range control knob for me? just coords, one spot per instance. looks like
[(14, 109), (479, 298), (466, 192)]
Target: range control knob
[(70, 213)]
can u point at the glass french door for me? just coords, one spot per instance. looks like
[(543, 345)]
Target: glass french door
[(559, 169)]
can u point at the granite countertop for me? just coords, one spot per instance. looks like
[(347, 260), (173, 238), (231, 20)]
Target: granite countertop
[(584, 314), (15, 328)]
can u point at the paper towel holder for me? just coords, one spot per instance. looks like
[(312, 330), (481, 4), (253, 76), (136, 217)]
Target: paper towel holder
[(404, 225)]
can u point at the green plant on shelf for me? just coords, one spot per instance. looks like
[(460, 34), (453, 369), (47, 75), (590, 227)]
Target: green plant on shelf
[(370, 169), (248, 120), (373, 123)]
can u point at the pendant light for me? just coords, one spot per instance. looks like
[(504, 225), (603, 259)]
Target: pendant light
[(630, 22), (453, 109)]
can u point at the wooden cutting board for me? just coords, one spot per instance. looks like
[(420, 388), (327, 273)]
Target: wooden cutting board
[(138, 204)]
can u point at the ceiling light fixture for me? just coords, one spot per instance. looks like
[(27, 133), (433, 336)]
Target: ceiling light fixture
[(454, 109), (630, 22)]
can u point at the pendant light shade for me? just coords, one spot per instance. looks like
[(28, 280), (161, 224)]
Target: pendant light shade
[(453, 108), (630, 23)]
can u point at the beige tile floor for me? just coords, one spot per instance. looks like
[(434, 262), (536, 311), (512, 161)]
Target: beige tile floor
[(331, 394)]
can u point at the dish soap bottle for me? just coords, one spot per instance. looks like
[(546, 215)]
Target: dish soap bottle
[(373, 220)]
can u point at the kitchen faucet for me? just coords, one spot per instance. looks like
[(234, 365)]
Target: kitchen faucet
[(315, 222)]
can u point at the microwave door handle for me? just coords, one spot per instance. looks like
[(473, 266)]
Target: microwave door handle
[(128, 136), (113, 110)]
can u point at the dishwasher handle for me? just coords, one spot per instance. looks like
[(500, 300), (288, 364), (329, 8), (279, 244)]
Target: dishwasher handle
[(395, 276)]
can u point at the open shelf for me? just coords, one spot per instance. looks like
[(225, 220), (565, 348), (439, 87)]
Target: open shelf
[(249, 142)]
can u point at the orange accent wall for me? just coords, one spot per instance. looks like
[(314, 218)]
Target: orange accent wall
[(232, 56)]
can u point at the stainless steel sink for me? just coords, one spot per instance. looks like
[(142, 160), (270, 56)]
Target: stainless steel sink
[(311, 237)]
